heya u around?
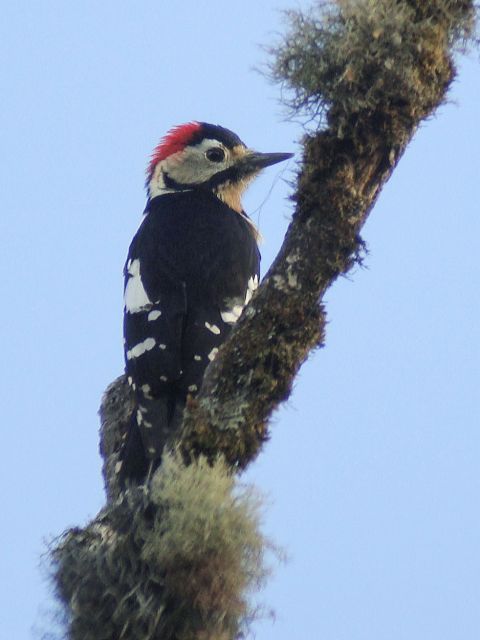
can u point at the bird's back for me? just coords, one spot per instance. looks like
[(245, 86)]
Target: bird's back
[(194, 238), (191, 268)]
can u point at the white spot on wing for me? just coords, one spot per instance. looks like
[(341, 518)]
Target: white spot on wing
[(140, 348), (153, 315), (146, 389), (230, 316), (192, 387), (213, 328), (197, 358), (251, 286), (136, 298), (212, 354)]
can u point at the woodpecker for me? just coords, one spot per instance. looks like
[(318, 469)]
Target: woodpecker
[(191, 268)]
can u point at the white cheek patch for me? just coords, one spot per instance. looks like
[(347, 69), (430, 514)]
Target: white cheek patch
[(186, 167), (136, 298)]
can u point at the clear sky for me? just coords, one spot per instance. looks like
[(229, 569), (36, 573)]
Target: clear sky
[(372, 470)]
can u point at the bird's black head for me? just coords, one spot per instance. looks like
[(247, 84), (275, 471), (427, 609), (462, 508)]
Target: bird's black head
[(199, 155)]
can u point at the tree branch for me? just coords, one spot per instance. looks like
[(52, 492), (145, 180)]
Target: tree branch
[(175, 560), (374, 71)]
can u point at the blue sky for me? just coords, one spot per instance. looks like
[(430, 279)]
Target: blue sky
[(372, 469)]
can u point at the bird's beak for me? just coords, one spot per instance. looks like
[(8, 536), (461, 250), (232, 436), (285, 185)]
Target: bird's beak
[(253, 161)]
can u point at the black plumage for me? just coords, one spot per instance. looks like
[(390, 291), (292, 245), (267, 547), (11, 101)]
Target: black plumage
[(191, 268), (198, 262)]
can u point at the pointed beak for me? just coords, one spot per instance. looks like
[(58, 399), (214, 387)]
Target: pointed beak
[(255, 161)]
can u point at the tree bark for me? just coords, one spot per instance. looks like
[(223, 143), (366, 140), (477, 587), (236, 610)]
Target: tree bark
[(367, 72), (371, 112)]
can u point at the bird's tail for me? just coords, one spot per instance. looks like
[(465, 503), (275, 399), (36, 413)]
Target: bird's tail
[(134, 464), (152, 423)]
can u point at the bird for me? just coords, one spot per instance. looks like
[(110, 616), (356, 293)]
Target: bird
[(191, 268)]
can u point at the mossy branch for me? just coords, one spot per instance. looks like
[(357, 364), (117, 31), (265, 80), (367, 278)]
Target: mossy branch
[(371, 71), (177, 560)]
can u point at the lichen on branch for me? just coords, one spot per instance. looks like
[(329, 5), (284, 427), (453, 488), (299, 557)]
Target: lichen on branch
[(177, 559), (351, 57), (367, 72)]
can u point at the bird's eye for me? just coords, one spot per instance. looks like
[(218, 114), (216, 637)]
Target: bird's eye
[(216, 154)]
